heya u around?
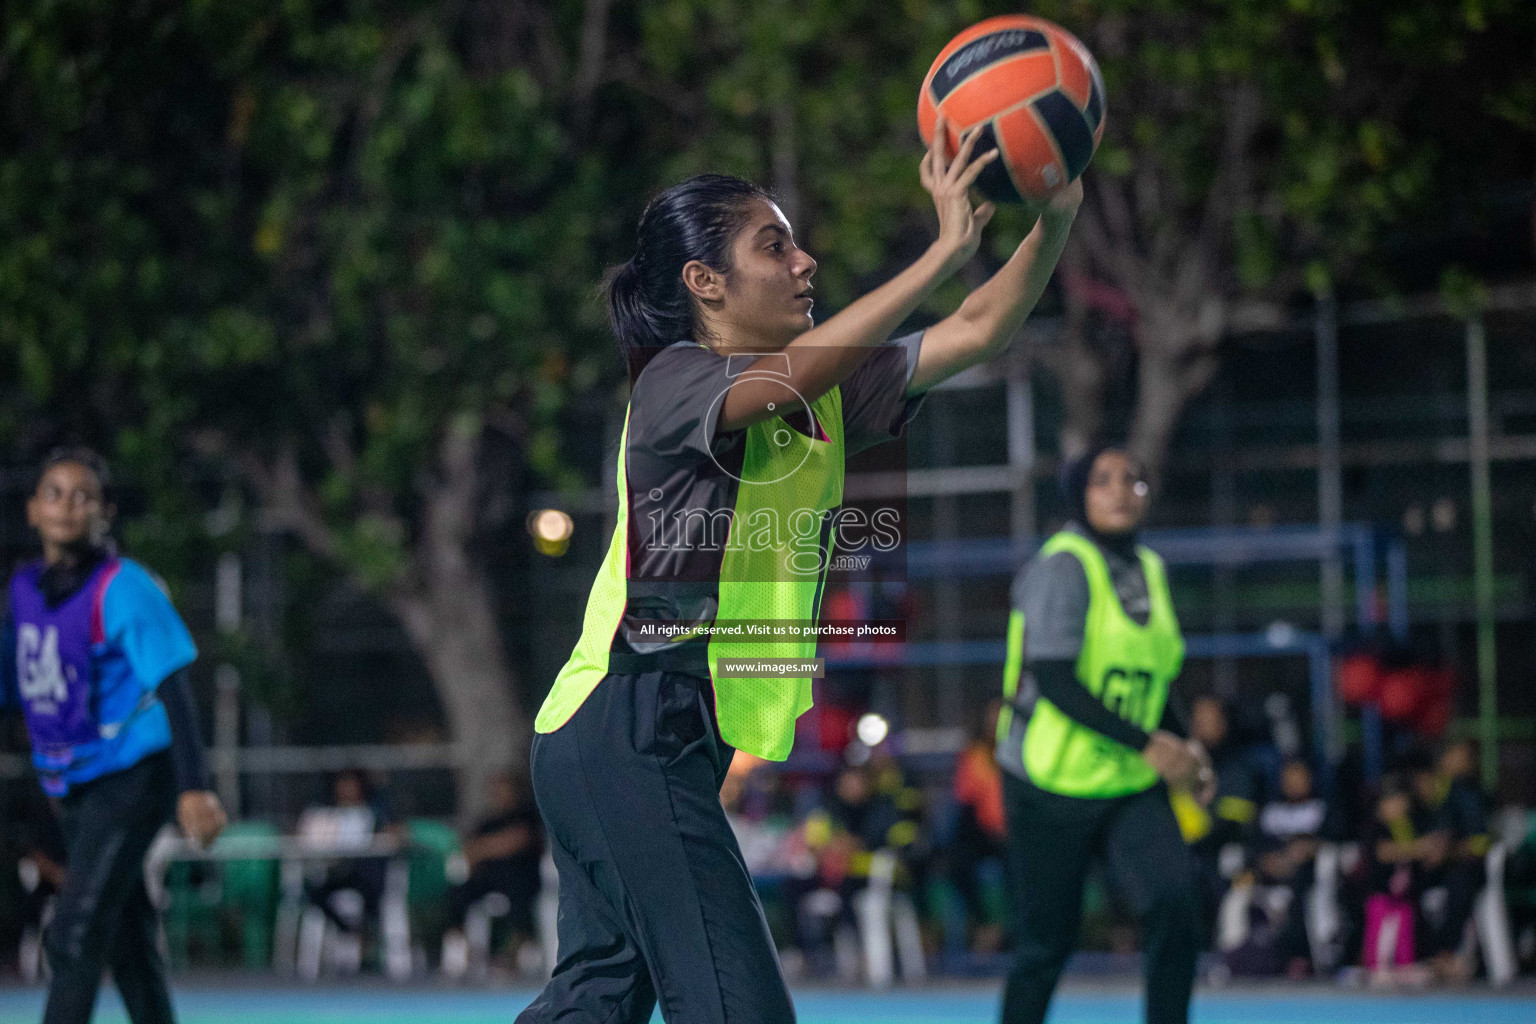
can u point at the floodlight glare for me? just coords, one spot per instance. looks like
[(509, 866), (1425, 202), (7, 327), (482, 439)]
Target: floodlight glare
[(551, 530), (872, 729)]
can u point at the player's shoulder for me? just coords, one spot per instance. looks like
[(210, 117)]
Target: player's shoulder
[(1059, 572), (679, 380), (681, 357), (136, 580), (1054, 563)]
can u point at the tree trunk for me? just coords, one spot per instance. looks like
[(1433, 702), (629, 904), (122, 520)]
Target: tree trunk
[(1081, 361), (450, 614), (452, 624), (1176, 359), (1082, 375), (445, 603)]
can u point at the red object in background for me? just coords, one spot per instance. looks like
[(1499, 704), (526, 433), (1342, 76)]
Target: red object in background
[(1433, 719), (1438, 704), (842, 605), (1440, 682), (1417, 696), (834, 726), (979, 785), (1403, 690), (1359, 678)]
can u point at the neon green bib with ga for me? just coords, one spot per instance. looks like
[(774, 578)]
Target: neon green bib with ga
[(774, 567), (1127, 666)]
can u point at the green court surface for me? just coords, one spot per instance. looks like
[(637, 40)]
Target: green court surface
[(247, 1003)]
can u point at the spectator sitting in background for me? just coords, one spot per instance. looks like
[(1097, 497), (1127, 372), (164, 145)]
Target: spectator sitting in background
[(820, 887), (501, 855), (1520, 889), (351, 821), (1290, 832), (1229, 822), (1399, 850), (34, 853), (836, 842), (1457, 815), (981, 832)]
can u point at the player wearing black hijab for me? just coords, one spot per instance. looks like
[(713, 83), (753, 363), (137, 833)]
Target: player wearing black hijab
[(1086, 747)]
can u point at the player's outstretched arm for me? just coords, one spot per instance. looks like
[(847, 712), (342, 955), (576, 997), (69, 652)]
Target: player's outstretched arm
[(992, 314), (826, 354)]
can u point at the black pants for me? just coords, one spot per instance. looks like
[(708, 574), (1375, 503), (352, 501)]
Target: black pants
[(1051, 842), (364, 876), (655, 899), (104, 917), (515, 878), (1463, 880)]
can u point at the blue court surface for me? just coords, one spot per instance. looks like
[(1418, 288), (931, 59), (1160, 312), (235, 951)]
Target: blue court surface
[(247, 1003)]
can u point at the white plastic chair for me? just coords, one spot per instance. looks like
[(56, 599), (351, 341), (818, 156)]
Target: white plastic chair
[(478, 920), (881, 913), (1491, 914)]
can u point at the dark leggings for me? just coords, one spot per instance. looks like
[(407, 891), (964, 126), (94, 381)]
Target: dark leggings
[(971, 847), (1052, 840), (103, 916), (656, 904)]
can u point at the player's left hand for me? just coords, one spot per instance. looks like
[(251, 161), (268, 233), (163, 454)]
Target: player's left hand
[(1204, 788), (200, 816), (1057, 213)]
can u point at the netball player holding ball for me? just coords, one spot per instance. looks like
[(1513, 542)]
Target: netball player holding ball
[(740, 405), (1093, 644)]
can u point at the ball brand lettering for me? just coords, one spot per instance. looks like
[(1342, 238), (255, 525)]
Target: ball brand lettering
[(985, 50)]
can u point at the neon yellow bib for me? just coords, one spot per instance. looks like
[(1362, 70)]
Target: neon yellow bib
[(1127, 666), (773, 567)]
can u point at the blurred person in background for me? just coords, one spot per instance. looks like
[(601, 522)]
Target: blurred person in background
[(1087, 747), (1520, 890), (1456, 814), (356, 814), (867, 809), (757, 807), (501, 855), (1291, 829), (34, 855), (96, 656), (1223, 831), (1401, 850), (981, 830)]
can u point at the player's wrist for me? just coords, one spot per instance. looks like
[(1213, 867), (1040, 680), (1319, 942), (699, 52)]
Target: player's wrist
[(1054, 225), (943, 258)]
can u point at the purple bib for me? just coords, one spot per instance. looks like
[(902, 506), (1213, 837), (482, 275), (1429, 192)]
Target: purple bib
[(54, 670)]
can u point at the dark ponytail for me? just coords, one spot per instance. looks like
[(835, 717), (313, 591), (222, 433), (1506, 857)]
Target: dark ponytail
[(649, 307)]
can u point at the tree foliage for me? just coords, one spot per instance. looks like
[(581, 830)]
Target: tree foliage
[(346, 253), (1257, 150)]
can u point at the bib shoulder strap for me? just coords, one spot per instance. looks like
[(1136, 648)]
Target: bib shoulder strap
[(99, 599), (1094, 566), (1152, 567)]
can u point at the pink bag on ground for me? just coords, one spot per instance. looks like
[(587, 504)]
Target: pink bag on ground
[(1388, 932)]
